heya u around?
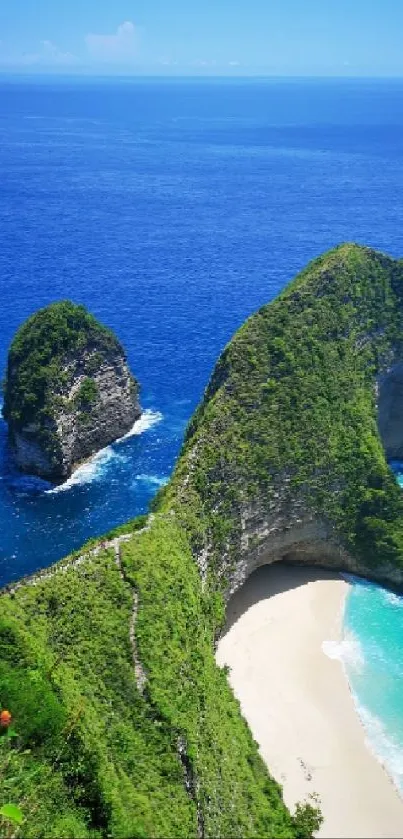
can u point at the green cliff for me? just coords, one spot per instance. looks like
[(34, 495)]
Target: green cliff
[(286, 456), (124, 726)]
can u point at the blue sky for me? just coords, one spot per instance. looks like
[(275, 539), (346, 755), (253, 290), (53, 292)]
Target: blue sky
[(242, 37)]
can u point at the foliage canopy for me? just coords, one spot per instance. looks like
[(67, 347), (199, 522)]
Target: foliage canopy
[(38, 356)]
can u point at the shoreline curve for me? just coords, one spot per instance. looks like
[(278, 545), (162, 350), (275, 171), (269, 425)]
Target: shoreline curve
[(298, 703)]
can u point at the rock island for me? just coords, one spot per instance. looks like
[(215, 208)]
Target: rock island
[(68, 391)]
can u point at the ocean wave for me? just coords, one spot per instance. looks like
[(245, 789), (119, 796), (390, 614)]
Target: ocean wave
[(146, 421), (387, 750), (91, 471), (392, 599), (359, 583), (349, 651), (94, 469)]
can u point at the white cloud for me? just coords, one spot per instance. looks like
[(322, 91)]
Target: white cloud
[(203, 63), (168, 62), (119, 47), (47, 54), (52, 54)]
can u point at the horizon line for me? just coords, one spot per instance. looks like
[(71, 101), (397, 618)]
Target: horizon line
[(54, 73)]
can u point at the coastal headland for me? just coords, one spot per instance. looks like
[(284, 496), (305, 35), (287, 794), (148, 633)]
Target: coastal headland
[(124, 723)]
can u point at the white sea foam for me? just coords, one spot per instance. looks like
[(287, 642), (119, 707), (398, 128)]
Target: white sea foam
[(387, 750), (348, 651), (88, 472), (378, 740), (146, 421), (392, 599), (94, 468)]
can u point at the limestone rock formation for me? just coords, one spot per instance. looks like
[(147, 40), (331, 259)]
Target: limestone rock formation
[(287, 456), (69, 391)]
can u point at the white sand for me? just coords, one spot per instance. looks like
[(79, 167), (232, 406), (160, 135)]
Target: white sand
[(297, 701)]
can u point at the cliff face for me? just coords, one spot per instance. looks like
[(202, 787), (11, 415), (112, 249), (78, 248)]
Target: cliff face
[(286, 457), (390, 410), (69, 391)]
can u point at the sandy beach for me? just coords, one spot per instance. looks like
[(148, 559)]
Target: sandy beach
[(297, 701)]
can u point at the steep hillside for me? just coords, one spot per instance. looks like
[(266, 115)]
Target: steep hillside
[(123, 726), (285, 457)]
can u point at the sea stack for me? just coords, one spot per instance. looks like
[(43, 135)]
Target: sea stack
[(68, 390)]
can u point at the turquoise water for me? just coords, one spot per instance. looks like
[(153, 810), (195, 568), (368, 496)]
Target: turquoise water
[(373, 658), (372, 654)]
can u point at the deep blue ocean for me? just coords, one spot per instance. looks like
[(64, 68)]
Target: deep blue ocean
[(173, 209)]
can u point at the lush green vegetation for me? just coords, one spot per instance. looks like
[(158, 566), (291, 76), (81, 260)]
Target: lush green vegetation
[(291, 407), (92, 755), (87, 393), (37, 360)]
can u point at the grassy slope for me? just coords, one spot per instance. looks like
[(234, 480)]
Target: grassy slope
[(293, 395), (93, 756)]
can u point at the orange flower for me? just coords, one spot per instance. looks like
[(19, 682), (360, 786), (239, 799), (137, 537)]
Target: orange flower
[(5, 719)]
